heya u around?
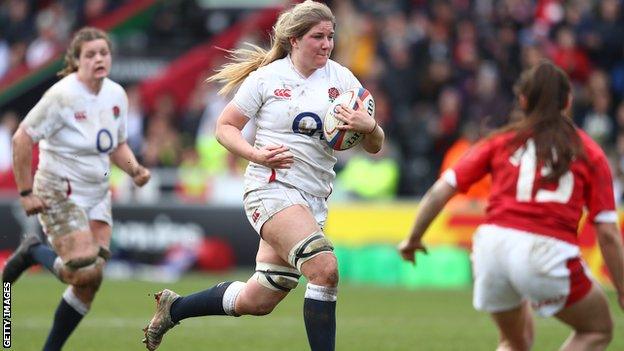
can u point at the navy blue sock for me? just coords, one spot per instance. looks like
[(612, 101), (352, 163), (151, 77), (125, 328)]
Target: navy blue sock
[(204, 303), (320, 322), (66, 319), (43, 255)]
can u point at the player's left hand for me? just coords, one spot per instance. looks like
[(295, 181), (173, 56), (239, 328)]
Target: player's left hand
[(356, 120), (141, 176), (407, 248)]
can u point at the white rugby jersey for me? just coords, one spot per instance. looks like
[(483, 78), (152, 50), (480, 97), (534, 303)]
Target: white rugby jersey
[(78, 130), (288, 110)]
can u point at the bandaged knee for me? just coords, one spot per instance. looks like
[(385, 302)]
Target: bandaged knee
[(276, 277), (104, 253), (315, 244), (81, 262)]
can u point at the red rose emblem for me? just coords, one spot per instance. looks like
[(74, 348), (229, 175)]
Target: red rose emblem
[(333, 93), (116, 111)]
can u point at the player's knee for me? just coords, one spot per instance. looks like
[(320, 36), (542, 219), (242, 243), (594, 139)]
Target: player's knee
[(601, 338), (90, 276), (519, 344), (276, 277), (323, 270), (262, 308), (311, 247)]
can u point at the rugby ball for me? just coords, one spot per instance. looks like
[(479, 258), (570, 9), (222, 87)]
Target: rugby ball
[(346, 139)]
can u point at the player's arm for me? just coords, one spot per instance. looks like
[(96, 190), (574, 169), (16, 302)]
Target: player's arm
[(610, 242), (228, 132), (430, 206), (124, 158), (373, 142), (22, 159)]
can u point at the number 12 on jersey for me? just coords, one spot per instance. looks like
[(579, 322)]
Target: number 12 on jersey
[(526, 158)]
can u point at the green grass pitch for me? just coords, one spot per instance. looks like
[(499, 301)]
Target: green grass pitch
[(369, 318)]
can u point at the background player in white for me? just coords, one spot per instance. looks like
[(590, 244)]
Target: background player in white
[(80, 124), (544, 172), (286, 90)]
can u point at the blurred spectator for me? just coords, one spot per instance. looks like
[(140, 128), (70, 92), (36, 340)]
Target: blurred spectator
[(46, 45), (162, 142), (135, 119), (8, 126), (571, 58), (17, 24), (5, 57)]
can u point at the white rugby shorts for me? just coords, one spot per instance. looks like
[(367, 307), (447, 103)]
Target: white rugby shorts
[(263, 203), (72, 204), (511, 265)]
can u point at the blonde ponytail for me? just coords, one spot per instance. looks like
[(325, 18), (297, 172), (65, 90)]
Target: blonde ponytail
[(294, 23), (244, 61)]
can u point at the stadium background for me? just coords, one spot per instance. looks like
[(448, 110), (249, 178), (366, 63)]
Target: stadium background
[(441, 73)]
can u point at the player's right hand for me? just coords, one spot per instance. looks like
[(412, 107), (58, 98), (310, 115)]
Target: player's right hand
[(407, 248), (274, 156), (33, 204)]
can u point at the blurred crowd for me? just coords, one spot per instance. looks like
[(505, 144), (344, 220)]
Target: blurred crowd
[(441, 72)]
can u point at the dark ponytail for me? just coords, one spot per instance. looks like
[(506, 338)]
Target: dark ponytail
[(546, 89)]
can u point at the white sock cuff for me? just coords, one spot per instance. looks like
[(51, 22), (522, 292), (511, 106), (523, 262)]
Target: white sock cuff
[(74, 301), (321, 293), (229, 297), (58, 266)]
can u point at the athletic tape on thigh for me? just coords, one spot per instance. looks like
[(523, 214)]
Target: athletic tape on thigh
[(82, 262), (276, 277), (316, 243), (104, 253)]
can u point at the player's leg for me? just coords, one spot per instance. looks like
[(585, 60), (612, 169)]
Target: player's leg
[(84, 281), (29, 252), (495, 251), (273, 280), (295, 235), (515, 328), (591, 320), (258, 296)]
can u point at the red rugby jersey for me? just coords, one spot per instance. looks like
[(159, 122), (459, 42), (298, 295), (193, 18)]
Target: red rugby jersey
[(517, 200)]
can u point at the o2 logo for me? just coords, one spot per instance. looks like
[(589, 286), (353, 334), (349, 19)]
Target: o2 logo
[(371, 107), (308, 123), (104, 141)]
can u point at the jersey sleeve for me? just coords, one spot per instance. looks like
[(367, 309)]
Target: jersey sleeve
[(248, 98), (600, 197), (44, 119), (472, 166)]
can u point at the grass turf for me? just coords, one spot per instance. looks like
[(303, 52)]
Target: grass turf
[(369, 318)]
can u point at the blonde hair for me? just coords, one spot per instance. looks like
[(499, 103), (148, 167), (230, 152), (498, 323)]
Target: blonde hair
[(73, 51), (294, 23)]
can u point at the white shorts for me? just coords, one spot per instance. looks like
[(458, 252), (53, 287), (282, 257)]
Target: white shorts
[(511, 265), (263, 203), (70, 209)]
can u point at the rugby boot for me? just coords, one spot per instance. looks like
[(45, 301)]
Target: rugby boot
[(161, 322), (20, 260)]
